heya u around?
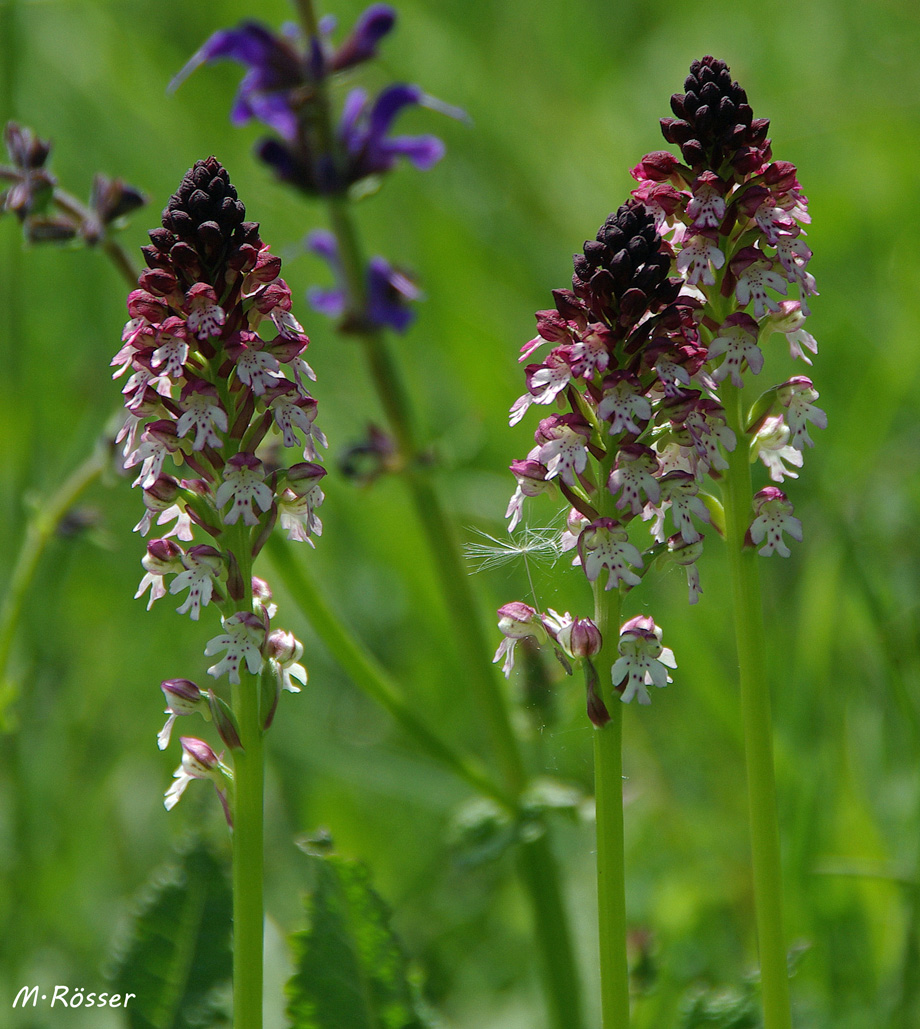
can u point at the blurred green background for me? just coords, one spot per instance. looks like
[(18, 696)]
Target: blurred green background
[(564, 99)]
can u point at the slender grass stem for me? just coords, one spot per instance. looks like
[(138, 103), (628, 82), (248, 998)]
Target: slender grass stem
[(42, 526), (608, 796), (747, 607), (442, 544)]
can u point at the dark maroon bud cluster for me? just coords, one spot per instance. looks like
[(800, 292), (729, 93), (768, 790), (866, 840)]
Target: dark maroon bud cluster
[(714, 122)]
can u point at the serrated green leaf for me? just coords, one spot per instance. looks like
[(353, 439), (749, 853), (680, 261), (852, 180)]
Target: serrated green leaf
[(350, 969), (175, 954)]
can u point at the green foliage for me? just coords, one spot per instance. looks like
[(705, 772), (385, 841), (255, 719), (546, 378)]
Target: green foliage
[(175, 952), (351, 971), (481, 831), (723, 1008)]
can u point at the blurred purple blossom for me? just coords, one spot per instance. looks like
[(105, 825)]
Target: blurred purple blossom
[(389, 291), (283, 88)]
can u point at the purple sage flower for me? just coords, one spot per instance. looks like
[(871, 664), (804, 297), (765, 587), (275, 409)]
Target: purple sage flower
[(284, 88), (389, 291)]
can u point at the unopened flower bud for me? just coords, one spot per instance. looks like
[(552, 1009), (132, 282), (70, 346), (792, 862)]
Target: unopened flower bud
[(262, 597), (581, 638), (285, 651)]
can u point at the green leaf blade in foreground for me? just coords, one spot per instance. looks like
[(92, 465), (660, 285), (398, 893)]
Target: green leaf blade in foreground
[(175, 955), (350, 969)]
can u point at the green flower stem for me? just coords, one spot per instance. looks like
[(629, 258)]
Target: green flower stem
[(457, 592), (248, 859), (370, 677), (608, 796), (436, 526), (248, 823), (757, 721)]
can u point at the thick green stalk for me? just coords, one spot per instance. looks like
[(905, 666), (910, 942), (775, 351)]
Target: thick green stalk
[(747, 607), (608, 797), (437, 528), (248, 827), (248, 860)]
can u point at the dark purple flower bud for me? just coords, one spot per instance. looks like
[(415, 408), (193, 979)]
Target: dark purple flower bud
[(597, 709), (780, 176), (580, 638), (32, 184), (26, 150), (112, 199), (142, 304), (205, 221), (623, 274), (656, 167), (553, 327), (714, 122)]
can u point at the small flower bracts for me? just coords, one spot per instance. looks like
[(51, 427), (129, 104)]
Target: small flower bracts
[(637, 368), (207, 386)]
